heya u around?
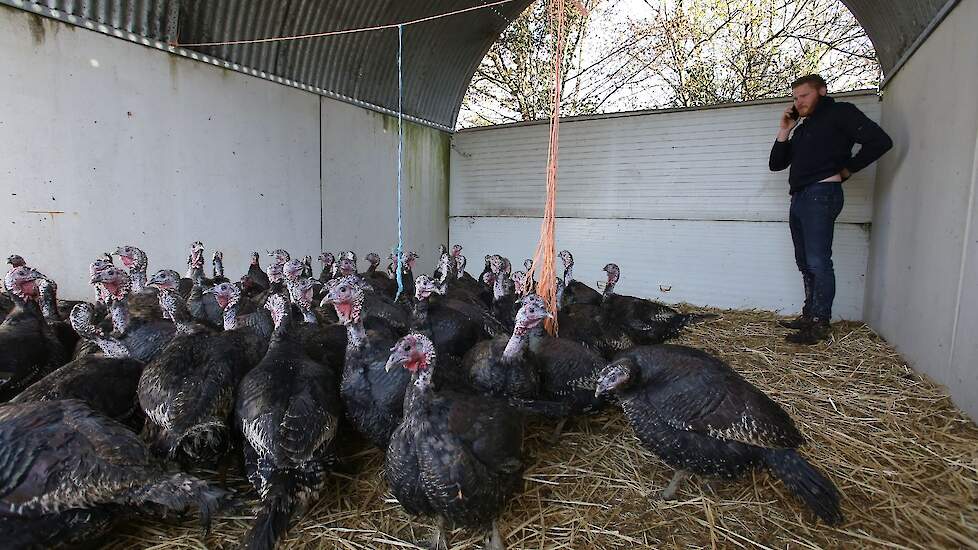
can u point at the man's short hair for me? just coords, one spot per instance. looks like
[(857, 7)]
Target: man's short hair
[(814, 79)]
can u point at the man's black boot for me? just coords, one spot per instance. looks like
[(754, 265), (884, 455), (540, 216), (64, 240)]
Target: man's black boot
[(814, 333), (798, 323)]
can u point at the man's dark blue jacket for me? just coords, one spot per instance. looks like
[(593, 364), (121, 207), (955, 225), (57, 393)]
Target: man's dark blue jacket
[(822, 144)]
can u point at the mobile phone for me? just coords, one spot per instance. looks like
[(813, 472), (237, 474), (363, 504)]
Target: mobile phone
[(794, 113)]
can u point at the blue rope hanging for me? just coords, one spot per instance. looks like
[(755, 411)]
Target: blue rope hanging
[(400, 158)]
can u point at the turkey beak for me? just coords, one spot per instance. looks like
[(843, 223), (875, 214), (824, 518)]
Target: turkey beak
[(395, 360)]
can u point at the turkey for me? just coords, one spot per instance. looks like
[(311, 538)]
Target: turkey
[(379, 280), (144, 338), (327, 260), (465, 281), (502, 366), (595, 327), (454, 456), (67, 474), (568, 370), (576, 292), (374, 397), (240, 312), (217, 268), (203, 308), (48, 300), (452, 332), (382, 311), (29, 349), (289, 409), (346, 264), (449, 279), (504, 299), (407, 273), (699, 416), (258, 279), (142, 300), (187, 391), (105, 382), (300, 289), (647, 322)]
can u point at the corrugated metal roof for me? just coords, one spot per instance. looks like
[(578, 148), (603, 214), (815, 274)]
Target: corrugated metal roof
[(440, 55)]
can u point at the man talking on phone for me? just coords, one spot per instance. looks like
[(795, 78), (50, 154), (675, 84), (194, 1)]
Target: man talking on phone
[(819, 152)]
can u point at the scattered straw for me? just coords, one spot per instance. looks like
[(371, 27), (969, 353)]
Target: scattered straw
[(905, 459)]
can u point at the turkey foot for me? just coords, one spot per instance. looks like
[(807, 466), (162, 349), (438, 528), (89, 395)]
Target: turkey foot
[(554, 436), (669, 493), (495, 541), (439, 539)]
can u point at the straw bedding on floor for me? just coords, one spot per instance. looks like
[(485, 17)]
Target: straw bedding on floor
[(903, 456)]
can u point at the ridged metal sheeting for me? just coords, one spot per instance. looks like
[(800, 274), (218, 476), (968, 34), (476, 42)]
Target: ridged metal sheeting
[(893, 26), (440, 56)]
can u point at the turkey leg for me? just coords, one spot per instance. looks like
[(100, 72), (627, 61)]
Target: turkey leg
[(677, 480)]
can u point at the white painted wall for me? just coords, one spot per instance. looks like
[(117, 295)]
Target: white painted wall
[(108, 143), (360, 184), (681, 200), (922, 288)]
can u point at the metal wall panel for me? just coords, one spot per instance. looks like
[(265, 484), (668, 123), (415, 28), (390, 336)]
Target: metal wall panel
[(719, 263), (922, 286), (107, 145), (441, 55), (708, 164), (360, 184)]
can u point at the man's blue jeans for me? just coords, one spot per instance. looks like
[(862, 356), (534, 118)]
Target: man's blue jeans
[(812, 221)]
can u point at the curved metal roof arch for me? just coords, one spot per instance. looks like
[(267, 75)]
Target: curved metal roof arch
[(441, 56)]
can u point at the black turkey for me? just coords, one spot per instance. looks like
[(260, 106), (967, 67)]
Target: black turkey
[(106, 382), (326, 259), (454, 456), (67, 473), (379, 280), (568, 370), (502, 366), (647, 322), (143, 337), (374, 397), (29, 349), (187, 391), (48, 300), (289, 409), (203, 308), (142, 300), (258, 279), (701, 417), (596, 327), (576, 292)]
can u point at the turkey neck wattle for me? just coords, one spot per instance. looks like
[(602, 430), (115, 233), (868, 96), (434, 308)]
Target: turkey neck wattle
[(173, 305), (231, 314), (120, 314), (609, 289), (421, 312), (517, 342), (137, 274), (498, 286), (48, 300)]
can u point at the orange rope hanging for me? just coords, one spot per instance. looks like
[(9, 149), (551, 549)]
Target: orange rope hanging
[(545, 255)]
